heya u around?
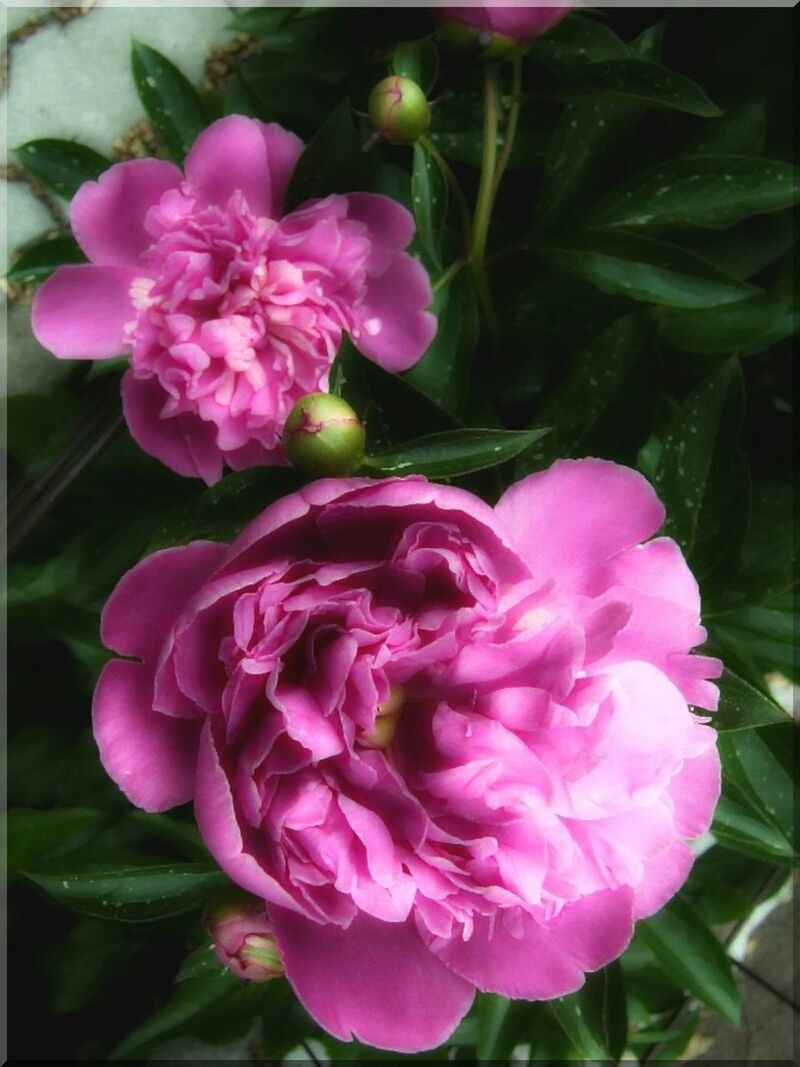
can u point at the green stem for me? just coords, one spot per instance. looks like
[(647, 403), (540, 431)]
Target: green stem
[(483, 205), (455, 187), (447, 276), (513, 122)]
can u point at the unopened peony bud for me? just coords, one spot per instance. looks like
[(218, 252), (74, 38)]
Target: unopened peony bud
[(324, 436), (242, 934), (385, 726), (399, 110)]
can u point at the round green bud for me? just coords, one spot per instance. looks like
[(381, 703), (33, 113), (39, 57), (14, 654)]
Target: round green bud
[(324, 436), (399, 110)]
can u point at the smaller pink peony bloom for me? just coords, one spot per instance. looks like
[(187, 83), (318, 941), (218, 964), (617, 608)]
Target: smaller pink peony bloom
[(451, 747), (230, 309), (243, 937), (521, 24)]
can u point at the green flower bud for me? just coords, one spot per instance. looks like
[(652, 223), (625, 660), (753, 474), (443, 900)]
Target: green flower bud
[(324, 436), (399, 110)]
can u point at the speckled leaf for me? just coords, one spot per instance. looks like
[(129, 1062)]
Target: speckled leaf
[(750, 325), (637, 79), (443, 372), (594, 1018), (429, 197), (169, 98), (577, 41), (700, 475), (710, 191), (625, 264), (743, 707), (62, 166), (334, 160), (761, 778), (454, 452), (738, 827), (38, 261)]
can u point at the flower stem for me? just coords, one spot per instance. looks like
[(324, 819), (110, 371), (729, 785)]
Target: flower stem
[(447, 275), (483, 206), (511, 126)]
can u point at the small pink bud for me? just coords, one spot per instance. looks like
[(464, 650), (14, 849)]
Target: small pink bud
[(241, 930)]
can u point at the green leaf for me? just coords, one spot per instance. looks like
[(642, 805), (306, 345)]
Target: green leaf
[(577, 41), (750, 765), (269, 93), (492, 1011), (169, 98), (741, 131), (284, 1022), (743, 707), (583, 135), (390, 407), (454, 452), (594, 1018), (260, 21), (33, 834), (221, 512), (429, 196), (738, 827), (709, 191), (62, 166), (191, 1000), (625, 264), (333, 161), (753, 325), (691, 955), (132, 893), (745, 250), (602, 405), (443, 373), (417, 60), (702, 475), (628, 80), (38, 261), (93, 959)]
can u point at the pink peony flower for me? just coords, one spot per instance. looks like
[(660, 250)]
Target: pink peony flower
[(448, 745), (231, 312), (522, 24)]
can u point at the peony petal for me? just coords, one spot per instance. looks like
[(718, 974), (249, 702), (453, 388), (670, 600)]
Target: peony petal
[(80, 312), (218, 823), (664, 874), (374, 981), (235, 154), (547, 960), (389, 224), (695, 791), (107, 216), (570, 519), (391, 327), (148, 599), (185, 443), (150, 756)]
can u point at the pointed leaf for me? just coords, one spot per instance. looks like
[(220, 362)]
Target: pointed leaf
[(743, 707), (38, 261), (629, 80), (334, 161), (595, 1018), (710, 191), (691, 955), (62, 166), (169, 98), (429, 196), (454, 452), (738, 827)]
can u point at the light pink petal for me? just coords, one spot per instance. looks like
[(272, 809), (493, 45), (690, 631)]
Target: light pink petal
[(150, 756), (374, 981), (664, 874), (149, 598), (218, 822), (235, 154), (185, 443), (391, 327), (80, 312), (570, 519), (107, 216), (655, 569), (537, 962), (695, 791)]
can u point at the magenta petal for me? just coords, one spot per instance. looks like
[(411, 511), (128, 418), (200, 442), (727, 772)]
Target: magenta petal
[(570, 519), (387, 220), (238, 153), (392, 327), (664, 874), (150, 756), (107, 216), (374, 981), (80, 312), (149, 598), (185, 443), (538, 962)]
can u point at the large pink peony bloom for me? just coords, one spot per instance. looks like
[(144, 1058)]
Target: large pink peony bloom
[(231, 312), (521, 23), (449, 745)]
